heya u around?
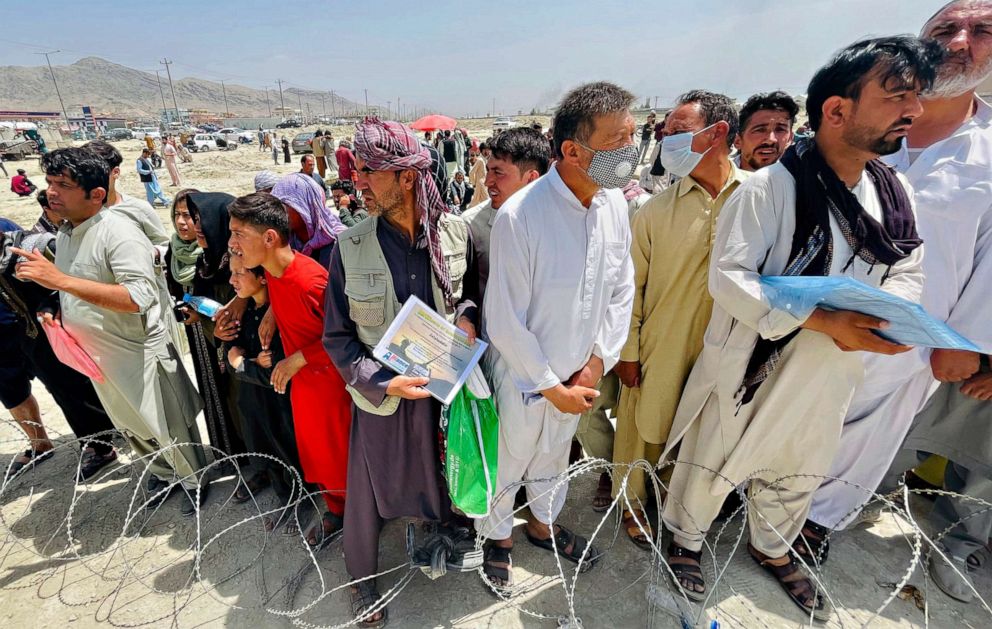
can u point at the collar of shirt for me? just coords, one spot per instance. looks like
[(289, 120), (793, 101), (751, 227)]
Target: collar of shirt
[(558, 185), (982, 119), (400, 239), (687, 184), (78, 231)]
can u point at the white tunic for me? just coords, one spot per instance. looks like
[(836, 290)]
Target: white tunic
[(794, 421), (953, 183), (560, 289)]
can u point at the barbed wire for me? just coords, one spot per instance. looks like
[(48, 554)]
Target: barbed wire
[(112, 529)]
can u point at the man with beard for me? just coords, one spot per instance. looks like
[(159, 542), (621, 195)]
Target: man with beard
[(409, 246), (767, 397), (947, 157), (766, 129)]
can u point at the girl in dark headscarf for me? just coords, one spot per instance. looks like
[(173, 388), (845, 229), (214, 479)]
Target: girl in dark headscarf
[(211, 279)]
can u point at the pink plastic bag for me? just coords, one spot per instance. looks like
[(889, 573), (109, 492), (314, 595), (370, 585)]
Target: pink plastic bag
[(70, 353)]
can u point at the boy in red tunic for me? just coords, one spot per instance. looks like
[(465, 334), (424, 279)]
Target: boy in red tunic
[(321, 406)]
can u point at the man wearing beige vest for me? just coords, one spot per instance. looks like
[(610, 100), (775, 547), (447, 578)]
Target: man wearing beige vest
[(409, 246)]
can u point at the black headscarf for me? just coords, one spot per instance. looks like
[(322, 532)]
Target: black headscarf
[(210, 210)]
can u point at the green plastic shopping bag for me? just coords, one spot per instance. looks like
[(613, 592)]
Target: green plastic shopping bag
[(472, 438)]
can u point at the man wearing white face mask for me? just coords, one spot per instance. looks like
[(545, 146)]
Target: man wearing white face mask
[(556, 311), (672, 236)]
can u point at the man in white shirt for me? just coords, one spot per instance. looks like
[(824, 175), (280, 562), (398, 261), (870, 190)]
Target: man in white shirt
[(557, 307), (767, 396), (947, 157)]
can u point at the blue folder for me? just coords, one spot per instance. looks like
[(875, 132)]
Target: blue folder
[(909, 323)]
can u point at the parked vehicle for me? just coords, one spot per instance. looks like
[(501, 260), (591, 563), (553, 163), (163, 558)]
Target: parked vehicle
[(224, 144), (118, 134), (141, 132), (289, 124), (234, 134), (301, 143), (504, 123), (201, 142)]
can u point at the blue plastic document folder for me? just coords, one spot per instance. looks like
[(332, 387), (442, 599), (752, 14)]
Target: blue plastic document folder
[(909, 323)]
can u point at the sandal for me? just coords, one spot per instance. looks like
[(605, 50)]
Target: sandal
[(325, 530), (365, 596), (499, 576), (33, 458), (604, 494), (255, 484), (564, 539), (797, 585), (689, 569), (638, 529), (812, 544)]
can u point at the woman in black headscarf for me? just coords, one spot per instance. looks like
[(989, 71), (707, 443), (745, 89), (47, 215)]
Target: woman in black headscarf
[(212, 280)]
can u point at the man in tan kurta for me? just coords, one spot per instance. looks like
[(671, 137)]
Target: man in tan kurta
[(672, 237)]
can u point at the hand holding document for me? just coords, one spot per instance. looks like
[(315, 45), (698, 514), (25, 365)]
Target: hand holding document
[(909, 323), (422, 343)]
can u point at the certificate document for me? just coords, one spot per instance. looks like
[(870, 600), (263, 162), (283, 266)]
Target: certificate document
[(421, 343)]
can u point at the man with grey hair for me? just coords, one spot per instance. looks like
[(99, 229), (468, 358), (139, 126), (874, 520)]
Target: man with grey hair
[(947, 157), (557, 306)]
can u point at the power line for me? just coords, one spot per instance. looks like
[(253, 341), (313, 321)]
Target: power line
[(168, 73), (158, 78), (227, 110), (282, 102)]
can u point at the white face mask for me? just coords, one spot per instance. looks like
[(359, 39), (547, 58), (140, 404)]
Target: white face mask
[(677, 155)]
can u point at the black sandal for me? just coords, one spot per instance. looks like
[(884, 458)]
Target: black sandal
[(563, 539), (496, 554), (812, 544), (34, 458), (797, 585), (683, 571), (364, 596), (323, 532), (603, 497)]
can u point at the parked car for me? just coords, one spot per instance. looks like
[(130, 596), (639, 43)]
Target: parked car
[(141, 132), (289, 124), (119, 134), (504, 123), (301, 143), (223, 143), (210, 128), (201, 142), (234, 134)]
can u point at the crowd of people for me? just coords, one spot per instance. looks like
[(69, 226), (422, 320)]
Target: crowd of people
[(599, 294)]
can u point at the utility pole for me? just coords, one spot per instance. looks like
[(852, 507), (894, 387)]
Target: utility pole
[(299, 97), (158, 78), (399, 110), (388, 103), (494, 106), (323, 105), (168, 73), (332, 104), (227, 110), (57, 92), (267, 100), (656, 102), (282, 102), (366, 102)]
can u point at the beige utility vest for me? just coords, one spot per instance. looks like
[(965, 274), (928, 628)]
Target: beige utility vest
[(372, 301)]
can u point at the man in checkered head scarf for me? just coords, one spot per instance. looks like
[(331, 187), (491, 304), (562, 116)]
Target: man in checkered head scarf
[(383, 147)]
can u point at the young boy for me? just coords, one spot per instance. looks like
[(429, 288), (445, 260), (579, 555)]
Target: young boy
[(268, 416), (321, 406)]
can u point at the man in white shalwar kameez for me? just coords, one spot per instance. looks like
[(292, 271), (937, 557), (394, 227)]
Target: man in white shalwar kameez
[(557, 307), (767, 397), (947, 158)]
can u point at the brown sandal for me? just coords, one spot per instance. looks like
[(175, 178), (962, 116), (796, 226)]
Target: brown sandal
[(797, 585), (638, 528), (686, 566), (603, 498)]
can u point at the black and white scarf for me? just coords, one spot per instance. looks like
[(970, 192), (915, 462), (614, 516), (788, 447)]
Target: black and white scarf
[(820, 195)]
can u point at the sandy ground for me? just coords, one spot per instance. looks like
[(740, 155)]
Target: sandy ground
[(86, 559)]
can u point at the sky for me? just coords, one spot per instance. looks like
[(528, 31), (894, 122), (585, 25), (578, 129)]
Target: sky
[(455, 57)]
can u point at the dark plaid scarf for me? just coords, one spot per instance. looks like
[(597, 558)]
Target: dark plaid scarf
[(820, 195)]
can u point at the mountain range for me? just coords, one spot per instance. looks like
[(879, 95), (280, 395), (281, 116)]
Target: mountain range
[(111, 88)]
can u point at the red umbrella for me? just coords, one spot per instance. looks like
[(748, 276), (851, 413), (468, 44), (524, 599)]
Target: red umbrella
[(434, 122)]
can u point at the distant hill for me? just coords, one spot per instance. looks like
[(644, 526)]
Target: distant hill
[(113, 88)]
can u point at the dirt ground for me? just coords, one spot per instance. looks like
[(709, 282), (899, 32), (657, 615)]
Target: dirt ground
[(83, 557)]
